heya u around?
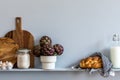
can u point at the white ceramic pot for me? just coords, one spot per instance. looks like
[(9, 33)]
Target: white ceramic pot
[(48, 62)]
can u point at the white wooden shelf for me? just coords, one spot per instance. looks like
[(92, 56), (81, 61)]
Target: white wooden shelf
[(38, 70), (33, 69)]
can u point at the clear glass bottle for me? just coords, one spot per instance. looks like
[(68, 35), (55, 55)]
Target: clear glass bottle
[(23, 58), (115, 52)]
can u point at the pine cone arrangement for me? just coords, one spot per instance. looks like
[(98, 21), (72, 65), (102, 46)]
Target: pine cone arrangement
[(58, 49), (45, 40)]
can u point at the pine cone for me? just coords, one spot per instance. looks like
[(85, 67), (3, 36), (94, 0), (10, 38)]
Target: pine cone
[(36, 50), (58, 49), (45, 40), (47, 50)]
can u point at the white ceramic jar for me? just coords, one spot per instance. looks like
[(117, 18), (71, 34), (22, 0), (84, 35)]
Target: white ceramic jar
[(23, 58)]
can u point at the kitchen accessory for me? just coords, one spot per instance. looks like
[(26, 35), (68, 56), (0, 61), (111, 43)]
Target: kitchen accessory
[(23, 38), (23, 58), (115, 52)]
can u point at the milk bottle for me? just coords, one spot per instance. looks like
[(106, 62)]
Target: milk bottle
[(115, 52)]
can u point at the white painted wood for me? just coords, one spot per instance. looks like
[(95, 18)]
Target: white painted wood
[(64, 69)]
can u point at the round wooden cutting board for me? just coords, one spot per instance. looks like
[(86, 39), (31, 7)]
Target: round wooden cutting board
[(23, 38)]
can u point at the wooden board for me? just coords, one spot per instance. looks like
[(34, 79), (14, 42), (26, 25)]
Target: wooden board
[(23, 38)]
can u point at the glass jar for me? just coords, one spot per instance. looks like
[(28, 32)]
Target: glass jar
[(23, 58)]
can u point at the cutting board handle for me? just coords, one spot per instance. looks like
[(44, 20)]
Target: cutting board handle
[(19, 32), (18, 23)]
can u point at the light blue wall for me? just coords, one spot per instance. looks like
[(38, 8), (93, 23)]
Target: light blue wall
[(81, 26)]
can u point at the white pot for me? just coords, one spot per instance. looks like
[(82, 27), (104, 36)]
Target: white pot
[(48, 62)]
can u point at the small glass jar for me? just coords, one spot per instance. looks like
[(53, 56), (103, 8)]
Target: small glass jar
[(23, 58)]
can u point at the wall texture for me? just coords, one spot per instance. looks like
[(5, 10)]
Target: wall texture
[(81, 26)]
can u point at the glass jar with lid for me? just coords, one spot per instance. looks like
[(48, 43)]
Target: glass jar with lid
[(23, 58)]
